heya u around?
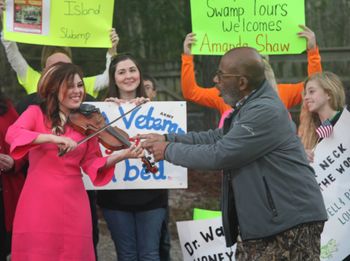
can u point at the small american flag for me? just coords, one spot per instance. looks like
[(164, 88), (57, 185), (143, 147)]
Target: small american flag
[(325, 129)]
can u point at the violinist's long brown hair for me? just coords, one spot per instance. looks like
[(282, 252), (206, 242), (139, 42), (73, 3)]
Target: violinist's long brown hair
[(53, 79), (113, 88)]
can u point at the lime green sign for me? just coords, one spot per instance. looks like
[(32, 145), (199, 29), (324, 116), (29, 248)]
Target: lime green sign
[(75, 23), (270, 26), (199, 213)]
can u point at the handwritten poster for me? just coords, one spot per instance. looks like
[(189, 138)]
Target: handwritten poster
[(152, 117), (270, 26), (78, 23), (204, 240), (332, 168)]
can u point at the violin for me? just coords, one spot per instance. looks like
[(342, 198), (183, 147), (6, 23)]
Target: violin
[(89, 121)]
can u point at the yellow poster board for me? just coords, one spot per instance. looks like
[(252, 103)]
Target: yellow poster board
[(270, 26), (74, 23)]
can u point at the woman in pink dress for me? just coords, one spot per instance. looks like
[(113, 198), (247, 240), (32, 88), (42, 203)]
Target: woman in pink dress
[(53, 220)]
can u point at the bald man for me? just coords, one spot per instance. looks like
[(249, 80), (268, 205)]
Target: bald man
[(270, 197)]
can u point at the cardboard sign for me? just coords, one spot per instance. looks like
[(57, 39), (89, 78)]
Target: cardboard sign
[(152, 117), (80, 23), (270, 26), (332, 168), (204, 240)]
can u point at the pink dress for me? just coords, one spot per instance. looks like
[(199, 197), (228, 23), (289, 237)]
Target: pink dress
[(53, 218)]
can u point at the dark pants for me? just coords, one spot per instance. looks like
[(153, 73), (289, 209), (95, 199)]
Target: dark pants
[(5, 237), (296, 244), (95, 232), (164, 246)]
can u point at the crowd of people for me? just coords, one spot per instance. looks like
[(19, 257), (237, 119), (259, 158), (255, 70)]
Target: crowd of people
[(46, 213)]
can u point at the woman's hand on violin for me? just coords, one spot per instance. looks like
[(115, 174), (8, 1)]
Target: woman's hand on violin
[(64, 143), (139, 100), (130, 153), (134, 152)]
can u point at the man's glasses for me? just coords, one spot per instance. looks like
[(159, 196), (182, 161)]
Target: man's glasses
[(222, 75)]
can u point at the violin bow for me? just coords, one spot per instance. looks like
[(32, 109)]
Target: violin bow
[(62, 152)]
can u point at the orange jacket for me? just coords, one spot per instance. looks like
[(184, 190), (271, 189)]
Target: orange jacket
[(290, 93)]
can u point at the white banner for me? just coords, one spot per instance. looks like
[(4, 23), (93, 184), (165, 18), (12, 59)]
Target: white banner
[(152, 117), (332, 167), (204, 240)]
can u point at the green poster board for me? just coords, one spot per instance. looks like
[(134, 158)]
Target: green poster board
[(270, 26), (199, 213), (78, 23)]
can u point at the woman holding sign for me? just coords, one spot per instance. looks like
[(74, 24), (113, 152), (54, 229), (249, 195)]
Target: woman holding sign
[(29, 78), (134, 217), (324, 101), (53, 219), (290, 94)]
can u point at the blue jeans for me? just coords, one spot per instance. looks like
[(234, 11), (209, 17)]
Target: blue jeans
[(136, 235), (164, 247)]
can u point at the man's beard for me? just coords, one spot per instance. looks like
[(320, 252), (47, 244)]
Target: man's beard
[(233, 97)]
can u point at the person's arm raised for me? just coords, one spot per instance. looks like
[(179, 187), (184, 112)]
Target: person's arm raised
[(313, 55), (15, 58), (291, 94), (102, 80), (191, 91)]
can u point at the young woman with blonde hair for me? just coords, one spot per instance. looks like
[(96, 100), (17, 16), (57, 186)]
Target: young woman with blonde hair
[(323, 103)]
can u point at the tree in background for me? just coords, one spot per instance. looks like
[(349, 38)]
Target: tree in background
[(154, 32)]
